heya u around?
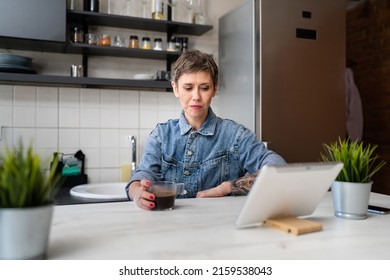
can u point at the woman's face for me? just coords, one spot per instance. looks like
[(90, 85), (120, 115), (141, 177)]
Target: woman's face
[(195, 91)]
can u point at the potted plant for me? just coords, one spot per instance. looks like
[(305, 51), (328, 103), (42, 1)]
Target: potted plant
[(26, 203), (352, 187)]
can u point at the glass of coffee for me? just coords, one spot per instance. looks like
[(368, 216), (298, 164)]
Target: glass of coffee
[(165, 194)]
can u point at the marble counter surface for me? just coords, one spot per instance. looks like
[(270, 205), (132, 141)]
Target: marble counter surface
[(205, 229)]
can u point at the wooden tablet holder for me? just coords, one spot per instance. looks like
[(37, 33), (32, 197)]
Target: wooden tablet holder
[(294, 225)]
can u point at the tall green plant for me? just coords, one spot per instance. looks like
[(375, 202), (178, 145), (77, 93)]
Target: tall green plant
[(360, 162), (23, 183)]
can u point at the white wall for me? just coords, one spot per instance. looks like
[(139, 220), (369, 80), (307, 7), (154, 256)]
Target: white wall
[(96, 121)]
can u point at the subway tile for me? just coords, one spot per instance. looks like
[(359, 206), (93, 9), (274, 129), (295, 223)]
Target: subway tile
[(109, 118), (149, 101), (7, 137), (129, 99), (69, 117), (69, 97), (109, 158), (25, 96), (108, 175), (69, 139), (90, 98), (47, 117), (27, 135), (166, 101), (93, 175), (148, 119), (92, 157), (109, 138), (6, 95), (24, 116), (89, 138), (128, 118), (90, 117), (110, 99), (47, 97), (6, 115), (164, 116), (47, 138)]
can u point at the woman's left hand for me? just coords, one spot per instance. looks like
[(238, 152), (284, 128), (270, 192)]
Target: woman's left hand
[(221, 190)]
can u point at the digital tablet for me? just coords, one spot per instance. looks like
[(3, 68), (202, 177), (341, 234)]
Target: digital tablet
[(287, 190)]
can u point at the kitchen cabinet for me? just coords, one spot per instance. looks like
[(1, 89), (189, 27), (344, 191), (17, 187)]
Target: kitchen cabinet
[(87, 19)]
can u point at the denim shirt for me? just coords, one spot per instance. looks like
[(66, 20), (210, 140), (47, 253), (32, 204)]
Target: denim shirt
[(221, 150)]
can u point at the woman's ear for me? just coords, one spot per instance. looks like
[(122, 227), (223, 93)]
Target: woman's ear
[(174, 87)]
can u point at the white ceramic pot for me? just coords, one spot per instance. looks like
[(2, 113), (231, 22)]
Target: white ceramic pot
[(350, 200), (24, 232)]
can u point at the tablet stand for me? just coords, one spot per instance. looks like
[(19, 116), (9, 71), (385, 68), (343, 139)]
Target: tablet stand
[(293, 225)]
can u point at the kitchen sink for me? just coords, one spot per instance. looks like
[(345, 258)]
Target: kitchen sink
[(104, 191)]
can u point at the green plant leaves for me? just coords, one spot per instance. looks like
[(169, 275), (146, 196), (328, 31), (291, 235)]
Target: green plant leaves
[(23, 182), (360, 162)]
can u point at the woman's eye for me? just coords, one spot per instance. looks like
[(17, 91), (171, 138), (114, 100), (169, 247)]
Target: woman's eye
[(205, 88), (187, 88)]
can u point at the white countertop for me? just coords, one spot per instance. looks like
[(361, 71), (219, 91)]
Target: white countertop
[(205, 229)]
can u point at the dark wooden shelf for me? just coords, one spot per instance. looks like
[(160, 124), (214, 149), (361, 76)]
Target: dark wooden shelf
[(36, 79), (102, 19), (120, 52)]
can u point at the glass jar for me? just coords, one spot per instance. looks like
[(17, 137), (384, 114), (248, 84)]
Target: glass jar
[(171, 45), (76, 35), (146, 45), (157, 9), (158, 44), (119, 41), (133, 42), (104, 40), (90, 39)]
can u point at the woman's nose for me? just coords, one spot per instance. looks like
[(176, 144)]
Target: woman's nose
[(195, 94)]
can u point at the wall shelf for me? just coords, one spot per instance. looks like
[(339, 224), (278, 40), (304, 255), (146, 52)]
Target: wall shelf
[(86, 19), (37, 79)]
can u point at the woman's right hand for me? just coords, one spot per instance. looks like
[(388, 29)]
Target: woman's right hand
[(139, 194)]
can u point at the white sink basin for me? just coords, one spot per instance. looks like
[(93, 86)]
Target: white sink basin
[(112, 191)]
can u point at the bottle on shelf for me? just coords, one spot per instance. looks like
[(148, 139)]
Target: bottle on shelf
[(158, 9)]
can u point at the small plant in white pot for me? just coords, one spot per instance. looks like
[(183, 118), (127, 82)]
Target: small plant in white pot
[(26, 203), (352, 187)]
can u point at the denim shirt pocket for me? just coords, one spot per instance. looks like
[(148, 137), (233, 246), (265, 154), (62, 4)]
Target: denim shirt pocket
[(170, 169), (215, 169)]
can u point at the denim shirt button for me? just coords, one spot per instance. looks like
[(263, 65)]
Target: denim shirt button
[(189, 153), (187, 173)]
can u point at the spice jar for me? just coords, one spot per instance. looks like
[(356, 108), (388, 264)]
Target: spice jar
[(119, 41), (158, 45), (104, 40), (171, 45), (76, 35), (90, 39), (146, 43), (133, 43), (185, 44)]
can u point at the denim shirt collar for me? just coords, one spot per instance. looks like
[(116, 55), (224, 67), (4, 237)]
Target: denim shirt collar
[(208, 127)]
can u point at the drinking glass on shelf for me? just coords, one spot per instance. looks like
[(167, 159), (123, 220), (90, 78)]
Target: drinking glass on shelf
[(129, 8), (144, 2), (190, 5), (173, 4), (200, 12)]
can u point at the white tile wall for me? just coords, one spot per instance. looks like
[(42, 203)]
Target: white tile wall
[(98, 122)]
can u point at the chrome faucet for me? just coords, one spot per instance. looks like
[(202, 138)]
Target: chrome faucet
[(133, 142)]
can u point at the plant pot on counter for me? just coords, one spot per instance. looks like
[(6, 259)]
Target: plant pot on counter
[(350, 200), (24, 232)]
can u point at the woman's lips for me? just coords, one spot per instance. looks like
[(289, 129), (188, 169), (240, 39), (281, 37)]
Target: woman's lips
[(196, 107)]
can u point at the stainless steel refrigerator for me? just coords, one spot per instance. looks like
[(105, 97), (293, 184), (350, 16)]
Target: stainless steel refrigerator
[(282, 66)]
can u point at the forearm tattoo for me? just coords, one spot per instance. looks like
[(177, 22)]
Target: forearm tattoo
[(242, 186)]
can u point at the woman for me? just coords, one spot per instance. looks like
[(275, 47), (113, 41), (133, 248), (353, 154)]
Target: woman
[(203, 151)]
